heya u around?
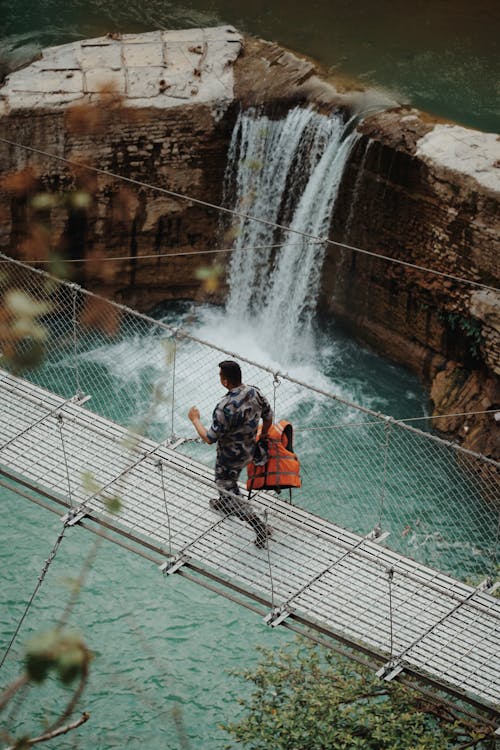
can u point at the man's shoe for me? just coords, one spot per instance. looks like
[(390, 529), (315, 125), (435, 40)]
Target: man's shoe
[(261, 540), (215, 504)]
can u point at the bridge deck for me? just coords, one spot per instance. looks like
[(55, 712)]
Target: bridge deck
[(327, 577)]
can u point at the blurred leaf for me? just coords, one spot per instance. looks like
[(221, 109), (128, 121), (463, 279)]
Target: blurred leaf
[(21, 305), (131, 440), (169, 347), (59, 268), (80, 199), (36, 245), (98, 264), (159, 395), (73, 584), (27, 328), (83, 119), (254, 164), (203, 273), (69, 665), (89, 483), (210, 276), (101, 314), (28, 358), (44, 201), (63, 652), (19, 183), (113, 504)]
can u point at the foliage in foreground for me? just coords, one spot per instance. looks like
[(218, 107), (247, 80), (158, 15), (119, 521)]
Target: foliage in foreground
[(306, 697)]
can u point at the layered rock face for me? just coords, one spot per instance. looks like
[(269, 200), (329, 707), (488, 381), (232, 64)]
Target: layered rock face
[(426, 194), (159, 109), (154, 108)]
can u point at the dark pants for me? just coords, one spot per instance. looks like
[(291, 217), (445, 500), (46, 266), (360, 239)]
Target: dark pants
[(230, 500)]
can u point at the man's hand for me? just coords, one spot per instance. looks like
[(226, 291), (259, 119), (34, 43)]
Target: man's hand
[(193, 414)]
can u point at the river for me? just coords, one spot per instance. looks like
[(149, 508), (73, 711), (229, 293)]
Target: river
[(441, 56)]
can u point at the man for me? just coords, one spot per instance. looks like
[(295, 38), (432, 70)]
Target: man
[(234, 428)]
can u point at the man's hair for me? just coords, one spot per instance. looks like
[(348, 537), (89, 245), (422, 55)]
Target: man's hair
[(231, 371)]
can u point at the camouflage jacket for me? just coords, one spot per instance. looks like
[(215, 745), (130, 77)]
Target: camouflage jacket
[(234, 424)]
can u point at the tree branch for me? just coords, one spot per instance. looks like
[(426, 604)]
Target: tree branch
[(55, 733), (362, 696), (474, 743), (72, 703), (12, 689)]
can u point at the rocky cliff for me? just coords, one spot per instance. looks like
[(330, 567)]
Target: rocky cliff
[(427, 195), (159, 109)]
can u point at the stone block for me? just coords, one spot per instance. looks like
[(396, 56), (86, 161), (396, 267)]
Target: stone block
[(180, 60), (105, 79), (221, 33), (102, 41), (151, 37), (29, 100), (220, 55), (39, 81), (468, 153), (101, 55), (177, 85), (485, 305), (142, 55), (64, 57), (183, 35), (144, 83)]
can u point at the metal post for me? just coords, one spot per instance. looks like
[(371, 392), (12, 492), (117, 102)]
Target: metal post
[(276, 384), (390, 576), (378, 525), (74, 289), (269, 563), (60, 423), (160, 467), (172, 413)]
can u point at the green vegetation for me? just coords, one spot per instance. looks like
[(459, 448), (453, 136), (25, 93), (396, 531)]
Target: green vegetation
[(470, 328), (306, 697)]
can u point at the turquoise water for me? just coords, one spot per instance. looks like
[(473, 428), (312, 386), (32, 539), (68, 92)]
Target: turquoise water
[(161, 644), (440, 56)]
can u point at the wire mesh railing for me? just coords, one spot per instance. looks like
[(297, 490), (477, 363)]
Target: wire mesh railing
[(361, 470)]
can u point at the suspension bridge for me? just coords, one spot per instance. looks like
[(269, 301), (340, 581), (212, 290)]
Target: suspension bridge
[(64, 443)]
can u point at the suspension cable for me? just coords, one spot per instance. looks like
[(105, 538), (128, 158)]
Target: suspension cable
[(37, 587), (243, 215), (428, 417), (155, 256)]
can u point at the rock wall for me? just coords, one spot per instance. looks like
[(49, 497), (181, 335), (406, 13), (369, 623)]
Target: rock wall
[(159, 109), (156, 108), (426, 194), (182, 150)]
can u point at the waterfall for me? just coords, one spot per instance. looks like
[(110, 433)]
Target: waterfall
[(284, 171)]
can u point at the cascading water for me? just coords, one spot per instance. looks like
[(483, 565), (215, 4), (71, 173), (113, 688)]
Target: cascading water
[(284, 171)]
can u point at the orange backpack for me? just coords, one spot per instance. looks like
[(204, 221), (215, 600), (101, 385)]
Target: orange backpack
[(282, 468)]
